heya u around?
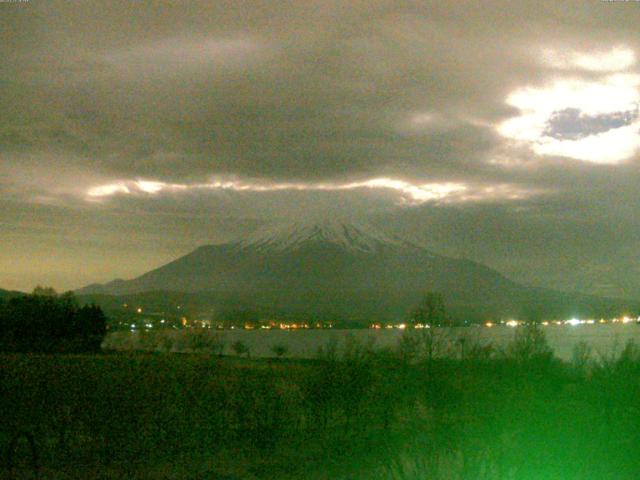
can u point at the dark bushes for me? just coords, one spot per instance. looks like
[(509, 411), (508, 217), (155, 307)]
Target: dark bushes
[(47, 322), (365, 414)]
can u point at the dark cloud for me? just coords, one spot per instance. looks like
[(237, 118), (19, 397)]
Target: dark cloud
[(572, 124), (94, 93)]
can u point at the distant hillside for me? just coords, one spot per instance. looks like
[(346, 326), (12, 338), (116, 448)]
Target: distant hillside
[(334, 270)]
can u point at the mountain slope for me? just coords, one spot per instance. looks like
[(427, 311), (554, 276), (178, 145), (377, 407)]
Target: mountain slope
[(347, 271)]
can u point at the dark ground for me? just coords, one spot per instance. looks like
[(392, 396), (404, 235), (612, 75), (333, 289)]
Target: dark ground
[(518, 414)]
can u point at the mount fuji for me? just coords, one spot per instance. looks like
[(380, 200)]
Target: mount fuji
[(343, 270)]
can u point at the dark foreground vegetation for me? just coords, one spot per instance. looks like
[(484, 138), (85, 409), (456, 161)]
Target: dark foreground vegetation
[(47, 322), (402, 414)]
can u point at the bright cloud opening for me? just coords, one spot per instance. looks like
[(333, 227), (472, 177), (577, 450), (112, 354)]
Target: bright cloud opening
[(108, 190), (591, 120), (410, 193)]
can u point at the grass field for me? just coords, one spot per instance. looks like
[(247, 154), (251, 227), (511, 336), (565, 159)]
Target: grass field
[(518, 414)]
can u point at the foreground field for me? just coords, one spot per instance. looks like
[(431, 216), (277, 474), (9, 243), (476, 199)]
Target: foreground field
[(399, 414)]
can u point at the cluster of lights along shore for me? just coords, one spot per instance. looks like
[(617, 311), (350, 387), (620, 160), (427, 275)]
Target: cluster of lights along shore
[(142, 320), (517, 323), (138, 318)]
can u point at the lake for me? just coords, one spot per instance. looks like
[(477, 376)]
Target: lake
[(604, 339)]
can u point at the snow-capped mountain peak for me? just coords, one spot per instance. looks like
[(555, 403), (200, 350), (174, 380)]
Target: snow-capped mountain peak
[(348, 235)]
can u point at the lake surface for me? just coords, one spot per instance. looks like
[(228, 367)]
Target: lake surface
[(604, 339)]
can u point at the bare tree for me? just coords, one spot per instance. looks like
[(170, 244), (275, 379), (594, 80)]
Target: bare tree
[(431, 310)]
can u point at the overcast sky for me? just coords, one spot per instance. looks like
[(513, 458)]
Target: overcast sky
[(505, 132)]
